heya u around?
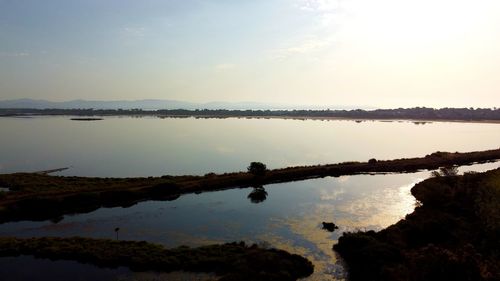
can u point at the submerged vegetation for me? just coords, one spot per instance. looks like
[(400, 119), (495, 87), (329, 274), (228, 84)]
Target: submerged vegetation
[(452, 235), (232, 261), (38, 196)]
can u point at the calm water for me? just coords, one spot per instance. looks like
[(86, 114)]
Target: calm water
[(15, 269), (152, 146), (289, 218)]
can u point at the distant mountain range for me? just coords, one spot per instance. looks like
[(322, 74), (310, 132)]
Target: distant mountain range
[(149, 104)]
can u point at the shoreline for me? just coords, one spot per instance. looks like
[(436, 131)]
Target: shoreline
[(34, 196), (418, 121), (328, 118)]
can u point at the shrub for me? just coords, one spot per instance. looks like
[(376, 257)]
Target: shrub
[(210, 175), (445, 172)]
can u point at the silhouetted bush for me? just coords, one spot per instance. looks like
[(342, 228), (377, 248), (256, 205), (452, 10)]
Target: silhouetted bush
[(257, 168), (448, 171)]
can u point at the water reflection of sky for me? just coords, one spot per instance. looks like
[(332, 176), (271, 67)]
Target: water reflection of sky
[(152, 146), (290, 218), (15, 269)]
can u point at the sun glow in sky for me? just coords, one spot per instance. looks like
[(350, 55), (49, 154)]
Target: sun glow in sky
[(385, 53)]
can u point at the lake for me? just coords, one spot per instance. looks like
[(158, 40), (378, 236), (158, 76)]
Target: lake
[(125, 147), (290, 217)]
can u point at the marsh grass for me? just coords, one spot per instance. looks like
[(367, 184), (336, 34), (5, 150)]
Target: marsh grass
[(232, 261)]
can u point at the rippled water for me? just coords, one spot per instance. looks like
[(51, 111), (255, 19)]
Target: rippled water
[(290, 217)]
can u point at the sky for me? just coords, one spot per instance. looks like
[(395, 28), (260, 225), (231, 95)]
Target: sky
[(385, 53)]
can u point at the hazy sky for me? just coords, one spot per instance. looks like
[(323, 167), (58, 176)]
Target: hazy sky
[(384, 53)]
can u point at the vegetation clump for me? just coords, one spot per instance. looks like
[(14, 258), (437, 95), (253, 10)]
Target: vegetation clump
[(452, 235), (329, 226), (257, 168), (232, 261), (448, 171)]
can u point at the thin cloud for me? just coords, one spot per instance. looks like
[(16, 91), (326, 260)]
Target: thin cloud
[(224, 66), (326, 12), (133, 31), (303, 48), (325, 15), (318, 5), (14, 54)]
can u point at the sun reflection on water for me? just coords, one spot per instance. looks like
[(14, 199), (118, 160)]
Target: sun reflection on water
[(303, 234), (379, 209)]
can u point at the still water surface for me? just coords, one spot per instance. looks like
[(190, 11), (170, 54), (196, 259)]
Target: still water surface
[(126, 147), (290, 218)]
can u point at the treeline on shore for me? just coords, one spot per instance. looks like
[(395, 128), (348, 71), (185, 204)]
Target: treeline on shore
[(452, 235), (416, 113)]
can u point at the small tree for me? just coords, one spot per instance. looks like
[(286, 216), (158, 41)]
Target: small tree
[(257, 168)]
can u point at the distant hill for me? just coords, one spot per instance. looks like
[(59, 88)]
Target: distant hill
[(147, 104), (86, 104)]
